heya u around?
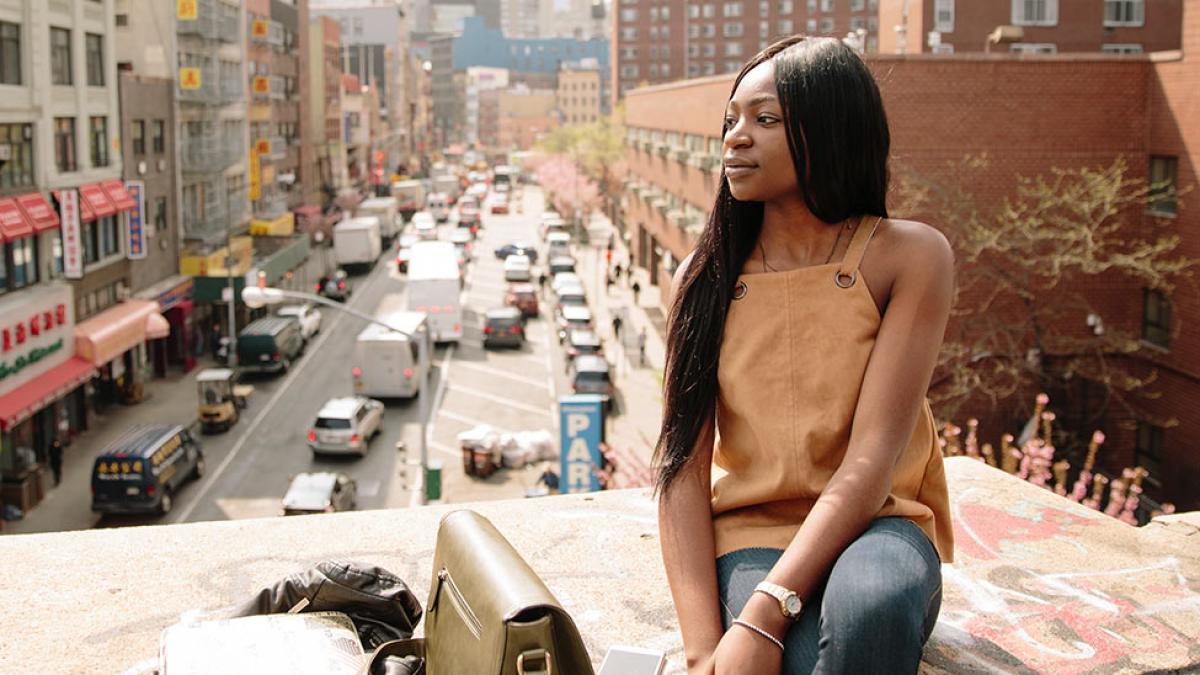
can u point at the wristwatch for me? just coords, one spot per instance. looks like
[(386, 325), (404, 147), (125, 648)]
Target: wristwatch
[(789, 603)]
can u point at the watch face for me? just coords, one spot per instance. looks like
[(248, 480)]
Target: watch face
[(793, 605)]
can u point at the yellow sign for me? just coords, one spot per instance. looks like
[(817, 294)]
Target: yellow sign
[(189, 78), (185, 10), (255, 177), (258, 28), (262, 84), (281, 226), (263, 146)]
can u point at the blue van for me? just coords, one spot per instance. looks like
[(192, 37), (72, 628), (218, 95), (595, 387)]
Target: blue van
[(141, 471)]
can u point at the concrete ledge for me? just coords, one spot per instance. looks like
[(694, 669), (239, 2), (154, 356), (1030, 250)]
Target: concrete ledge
[(1042, 584)]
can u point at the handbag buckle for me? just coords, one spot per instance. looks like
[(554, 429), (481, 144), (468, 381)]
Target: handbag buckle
[(547, 663)]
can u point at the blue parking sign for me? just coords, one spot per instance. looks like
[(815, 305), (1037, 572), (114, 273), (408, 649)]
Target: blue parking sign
[(581, 431)]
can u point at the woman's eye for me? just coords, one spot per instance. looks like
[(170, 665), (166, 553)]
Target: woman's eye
[(765, 119), (729, 122)]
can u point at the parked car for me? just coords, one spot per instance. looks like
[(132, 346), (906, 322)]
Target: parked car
[(503, 326), (470, 219), (141, 470), (517, 248), (524, 297), (517, 268), (558, 244), (583, 342), (570, 296), (573, 317), (307, 316), (553, 225), (562, 280), (562, 263), (269, 344), (404, 252), (462, 241), (320, 492), (346, 425), (499, 203), (424, 225), (334, 287), (589, 374)]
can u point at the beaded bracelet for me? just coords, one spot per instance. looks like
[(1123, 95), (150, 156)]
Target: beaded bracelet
[(749, 626)]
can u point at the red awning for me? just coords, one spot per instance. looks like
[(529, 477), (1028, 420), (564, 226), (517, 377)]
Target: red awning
[(93, 195), (117, 194), (85, 212), (20, 405), (38, 211), (13, 224)]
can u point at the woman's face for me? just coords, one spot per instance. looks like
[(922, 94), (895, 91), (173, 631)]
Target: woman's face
[(757, 161)]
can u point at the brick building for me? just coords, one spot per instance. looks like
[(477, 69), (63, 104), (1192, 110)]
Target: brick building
[(655, 42), (1030, 114)]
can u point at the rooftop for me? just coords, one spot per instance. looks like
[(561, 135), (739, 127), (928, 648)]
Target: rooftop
[(1041, 583)]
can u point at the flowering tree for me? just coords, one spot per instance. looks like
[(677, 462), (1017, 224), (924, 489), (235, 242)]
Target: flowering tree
[(567, 186)]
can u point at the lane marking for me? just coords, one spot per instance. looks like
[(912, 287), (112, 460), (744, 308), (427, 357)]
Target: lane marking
[(211, 478), (512, 403), (471, 421), (503, 373)]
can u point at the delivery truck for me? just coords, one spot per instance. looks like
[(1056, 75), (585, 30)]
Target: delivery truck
[(356, 243), (383, 208), (391, 363), (435, 288), (410, 197)]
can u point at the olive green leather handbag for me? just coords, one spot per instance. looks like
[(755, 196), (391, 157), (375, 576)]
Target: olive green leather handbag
[(488, 612)]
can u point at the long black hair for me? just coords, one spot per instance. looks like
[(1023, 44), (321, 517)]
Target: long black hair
[(837, 133)]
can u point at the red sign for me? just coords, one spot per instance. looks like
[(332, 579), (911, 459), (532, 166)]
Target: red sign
[(258, 28)]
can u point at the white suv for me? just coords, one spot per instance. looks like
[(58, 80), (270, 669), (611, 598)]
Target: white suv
[(307, 316), (346, 425)]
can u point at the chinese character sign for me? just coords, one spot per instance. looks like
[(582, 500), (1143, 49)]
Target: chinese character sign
[(68, 201), (189, 78), (255, 176), (581, 429), (262, 84), (137, 220), (185, 10), (258, 28)]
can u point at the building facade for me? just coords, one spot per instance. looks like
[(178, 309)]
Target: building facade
[(324, 92), (579, 95)]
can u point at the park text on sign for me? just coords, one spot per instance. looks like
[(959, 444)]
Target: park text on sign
[(581, 428), (68, 202), (137, 219), (185, 10)]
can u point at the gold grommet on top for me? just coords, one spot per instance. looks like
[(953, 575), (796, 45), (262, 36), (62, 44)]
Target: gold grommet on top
[(844, 280), (740, 290)]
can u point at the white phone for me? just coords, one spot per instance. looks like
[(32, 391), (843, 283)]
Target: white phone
[(633, 661)]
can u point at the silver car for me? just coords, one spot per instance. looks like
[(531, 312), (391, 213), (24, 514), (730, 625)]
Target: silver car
[(346, 426)]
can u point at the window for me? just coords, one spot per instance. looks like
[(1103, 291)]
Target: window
[(664, 69), (101, 239), (628, 33), (629, 70), (664, 13), (826, 25), (1124, 12), (710, 30), (160, 144), (943, 48), (733, 66), (64, 144), (826, 5), (693, 11), (858, 23), (99, 140), (710, 68), (653, 13), (121, 20), (1123, 48), (629, 14), (653, 72), (785, 6), (665, 31), (629, 53), (60, 56), (709, 11), (18, 170), (1163, 175), (810, 26), (710, 50), (94, 45), (1148, 452), (1033, 48), (857, 5), (137, 136), (733, 49), (732, 30), (732, 9), (812, 6), (943, 16), (872, 24), (1156, 317), (764, 7), (160, 215), (1035, 12), (10, 53), (20, 257), (694, 30), (693, 50)]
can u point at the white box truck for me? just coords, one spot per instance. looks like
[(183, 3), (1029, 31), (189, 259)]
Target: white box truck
[(356, 242), (448, 185), (435, 288), (392, 363), (410, 197), (383, 208)]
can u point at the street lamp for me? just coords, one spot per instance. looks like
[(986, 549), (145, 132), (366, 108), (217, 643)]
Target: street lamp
[(256, 297)]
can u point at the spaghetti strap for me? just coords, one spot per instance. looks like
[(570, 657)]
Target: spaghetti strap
[(847, 272)]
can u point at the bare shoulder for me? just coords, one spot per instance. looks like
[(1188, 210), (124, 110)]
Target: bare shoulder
[(913, 248)]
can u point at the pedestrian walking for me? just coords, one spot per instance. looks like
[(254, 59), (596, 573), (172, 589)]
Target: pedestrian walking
[(642, 346), (608, 283), (616, 327), (629, 272), (55, 455), (637, 290), (617, 271), (542, 282)]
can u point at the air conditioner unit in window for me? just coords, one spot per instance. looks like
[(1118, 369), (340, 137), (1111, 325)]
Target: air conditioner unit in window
[(707, 162), (663, 150), (681, 155)]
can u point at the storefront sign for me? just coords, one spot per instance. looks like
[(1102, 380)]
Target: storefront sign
[(68, 202), (36, 354), (185, 10), (255, 176), (189, 78), (581, 429), (137, 220), (259, 28), (36, 333), (262, 85)]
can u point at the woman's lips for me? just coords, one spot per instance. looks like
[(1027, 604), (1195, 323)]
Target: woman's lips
[(738, 170)]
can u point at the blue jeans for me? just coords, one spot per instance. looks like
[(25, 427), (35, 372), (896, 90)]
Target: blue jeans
[(871, 615)]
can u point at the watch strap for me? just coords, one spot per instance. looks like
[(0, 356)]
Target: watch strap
[(781, 594)]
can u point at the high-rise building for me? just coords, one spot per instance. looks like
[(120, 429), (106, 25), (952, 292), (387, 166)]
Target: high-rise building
[(324, 91), (579, 97)]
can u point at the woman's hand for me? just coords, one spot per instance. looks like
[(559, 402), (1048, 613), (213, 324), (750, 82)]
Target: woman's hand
[(702, 667), (742, 652)]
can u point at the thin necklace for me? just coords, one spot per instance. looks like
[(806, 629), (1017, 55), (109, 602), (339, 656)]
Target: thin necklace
[(763, 251)]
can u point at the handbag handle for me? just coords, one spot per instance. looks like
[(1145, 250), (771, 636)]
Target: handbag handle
[(547, 662)]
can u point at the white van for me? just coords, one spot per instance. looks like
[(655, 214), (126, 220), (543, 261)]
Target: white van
[(439, 205), (356, 242), (383, 208), (435, 288), (391, 363)]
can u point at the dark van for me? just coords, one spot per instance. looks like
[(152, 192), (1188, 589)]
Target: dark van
[(269, 345), (140, 471)]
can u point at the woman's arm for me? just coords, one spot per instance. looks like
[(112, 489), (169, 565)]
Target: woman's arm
[(893, 391), (689, 554)]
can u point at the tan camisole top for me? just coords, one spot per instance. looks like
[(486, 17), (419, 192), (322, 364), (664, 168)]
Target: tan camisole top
[(793, 358)]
